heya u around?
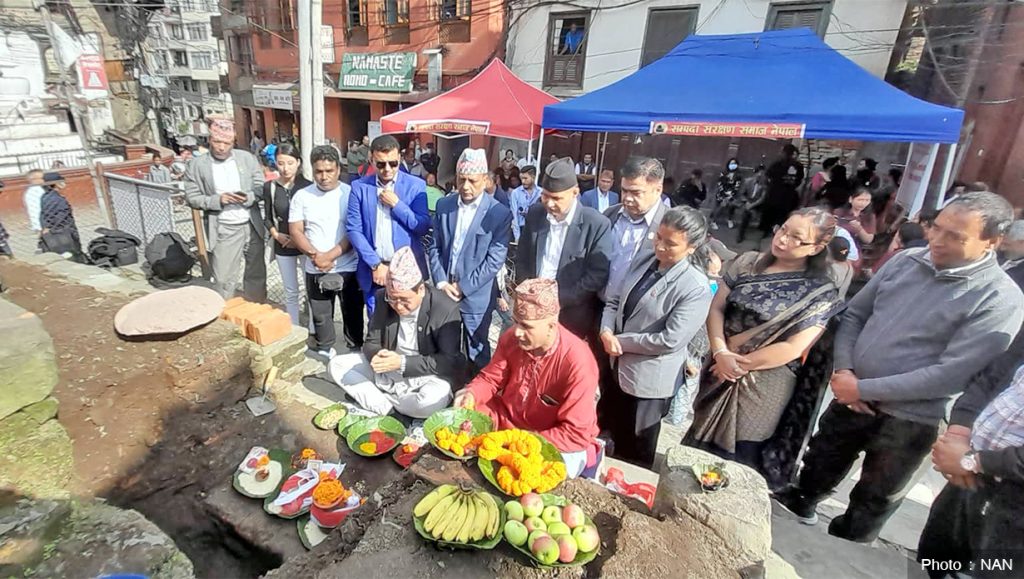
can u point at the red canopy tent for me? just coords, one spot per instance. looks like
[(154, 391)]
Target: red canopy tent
[(496, 103)]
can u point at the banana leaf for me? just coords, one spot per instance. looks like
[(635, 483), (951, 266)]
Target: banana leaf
[(453, 419), (277, 455), (387, 424), (319, 419), (345, 423), (483, 544), (489, 468), (304, 525), (581, 558)]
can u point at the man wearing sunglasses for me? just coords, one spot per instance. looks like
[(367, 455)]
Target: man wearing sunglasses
[(412, 354), (386, 212)]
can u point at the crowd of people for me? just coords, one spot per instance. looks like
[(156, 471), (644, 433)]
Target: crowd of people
[(622, 310)]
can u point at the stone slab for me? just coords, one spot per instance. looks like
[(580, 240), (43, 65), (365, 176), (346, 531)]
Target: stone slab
[(737, 517), (26, 527), (43, 410), (246, 517), (102, 540), (288, 354), (28, 366), (35, 459)]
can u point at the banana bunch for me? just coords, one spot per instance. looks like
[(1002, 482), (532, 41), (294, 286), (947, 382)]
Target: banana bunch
[(457, 515)]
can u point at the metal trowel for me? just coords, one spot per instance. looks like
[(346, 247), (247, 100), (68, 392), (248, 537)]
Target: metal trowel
[(260, 405)]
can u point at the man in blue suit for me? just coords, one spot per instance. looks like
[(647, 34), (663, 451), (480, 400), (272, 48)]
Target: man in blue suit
[(470, 242), (601, 197), (493, 188), (386, 211)]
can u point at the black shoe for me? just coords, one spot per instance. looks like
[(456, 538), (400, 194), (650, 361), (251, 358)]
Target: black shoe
[(839, 527), (793, 502)]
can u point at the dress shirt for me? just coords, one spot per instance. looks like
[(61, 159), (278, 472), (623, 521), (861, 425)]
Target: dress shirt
[(627, 235), (1001, 424), (383, 233), (555, 242), (520, 201), (33, 205), (602, 200), (227, 180), (408, 337), (647, 281), (467, 212)]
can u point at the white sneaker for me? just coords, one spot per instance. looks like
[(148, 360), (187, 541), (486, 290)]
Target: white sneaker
[(327, 354), (731, 224), (714, 226)]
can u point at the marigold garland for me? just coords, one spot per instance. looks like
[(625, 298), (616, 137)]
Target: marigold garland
[(523, 468)]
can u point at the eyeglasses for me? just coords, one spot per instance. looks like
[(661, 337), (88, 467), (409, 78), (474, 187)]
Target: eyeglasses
[(786, 237), (382, 164), (403, 302)]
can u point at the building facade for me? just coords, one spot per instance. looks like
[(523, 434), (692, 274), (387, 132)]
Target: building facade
[(377, 54), (188, 67)]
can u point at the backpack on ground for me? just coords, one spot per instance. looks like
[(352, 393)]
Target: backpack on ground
[(114, 248), (169, 260)]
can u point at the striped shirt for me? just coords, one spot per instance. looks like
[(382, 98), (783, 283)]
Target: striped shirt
[(1001, 424)]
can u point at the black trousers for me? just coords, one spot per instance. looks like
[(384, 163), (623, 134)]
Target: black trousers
[(321, 308), (635, 424), (968, 527), (893, 451)]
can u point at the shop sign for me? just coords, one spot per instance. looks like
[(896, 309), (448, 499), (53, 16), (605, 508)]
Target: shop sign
[(92, 77), (448, 126), (703, 129), (377, 71), (273, 98)]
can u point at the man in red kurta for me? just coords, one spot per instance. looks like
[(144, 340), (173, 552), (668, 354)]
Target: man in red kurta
[(542, 377)]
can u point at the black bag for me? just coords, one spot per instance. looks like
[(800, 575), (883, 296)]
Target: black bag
[(169, 260), (114, 248), (62, 241)]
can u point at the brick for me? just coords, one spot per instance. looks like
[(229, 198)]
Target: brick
[(239, 314), (268, 327)]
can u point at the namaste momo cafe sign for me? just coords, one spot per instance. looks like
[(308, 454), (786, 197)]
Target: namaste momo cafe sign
[(377, 71), (702, 129)]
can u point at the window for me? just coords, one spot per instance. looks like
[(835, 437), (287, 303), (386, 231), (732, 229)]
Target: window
[(202, 60), (455, 9), (156, 31), (180, 58), (666, 27), (176, 32), (357, 13), (566, 50), (188, 5), (161, 61), (197, 31), (356, 32), (212, 88), (813, 15), (396, 12)]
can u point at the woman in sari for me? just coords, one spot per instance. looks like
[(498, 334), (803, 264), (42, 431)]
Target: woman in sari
[(757, 400)]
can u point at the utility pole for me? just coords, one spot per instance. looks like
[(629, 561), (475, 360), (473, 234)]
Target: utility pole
[(67, 93), (306, 112), (316, 26)]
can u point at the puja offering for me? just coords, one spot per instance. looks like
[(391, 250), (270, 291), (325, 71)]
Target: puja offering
[(296, 495), (459, 517), (452, 431), (330, 492), (374, 436), (550, 530), (712, 477), (526, 462), (310, 533), (260, 472), (328, 418), (301, 458), (406, 453)]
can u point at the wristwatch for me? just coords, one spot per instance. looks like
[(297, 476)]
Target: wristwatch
[(374, 266), (970, 462)]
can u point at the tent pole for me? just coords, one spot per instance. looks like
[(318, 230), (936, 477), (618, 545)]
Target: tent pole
[(540, 148), (946, 174)]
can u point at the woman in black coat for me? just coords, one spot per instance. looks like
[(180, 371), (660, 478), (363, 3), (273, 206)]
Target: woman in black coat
[(277, 196)]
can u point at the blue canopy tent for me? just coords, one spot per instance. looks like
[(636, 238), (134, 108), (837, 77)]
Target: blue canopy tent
[(784, 77)]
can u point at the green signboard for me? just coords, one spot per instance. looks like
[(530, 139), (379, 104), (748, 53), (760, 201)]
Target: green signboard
[(377, 71)]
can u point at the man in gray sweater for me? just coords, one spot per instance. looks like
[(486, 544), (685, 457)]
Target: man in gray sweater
[(908, 342)]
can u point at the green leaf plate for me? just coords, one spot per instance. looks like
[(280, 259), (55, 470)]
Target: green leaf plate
[(276, 455), (489, 468), (345, 423), (319, 422), (388, 424), (483, 545), (305, 526), (581, 558), (453, 419)]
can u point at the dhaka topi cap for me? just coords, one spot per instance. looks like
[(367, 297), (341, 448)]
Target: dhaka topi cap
[(404, 273), (559, 176), (472, 162), (536, 299), (52, 177), (221, 127)]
